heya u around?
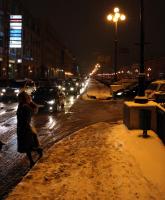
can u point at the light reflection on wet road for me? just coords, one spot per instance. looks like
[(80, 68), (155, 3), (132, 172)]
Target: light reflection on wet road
[(12, 164)]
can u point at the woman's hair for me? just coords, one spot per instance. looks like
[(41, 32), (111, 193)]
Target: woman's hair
[(23, 97)]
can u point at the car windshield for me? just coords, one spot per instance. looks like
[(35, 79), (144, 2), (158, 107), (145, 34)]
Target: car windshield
[(162, 87), (130, 87), (70, 83), (46, 90), (152, 86), (17, 84)]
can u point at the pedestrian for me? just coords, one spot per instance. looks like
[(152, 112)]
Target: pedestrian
[(27, 140), (61, 99)]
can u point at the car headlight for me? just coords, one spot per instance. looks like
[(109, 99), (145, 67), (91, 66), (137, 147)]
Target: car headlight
[(3, 90), (63, 89), (16, 91), (119, 93), (71, 89), (51, 102), (50, 108), (59, 87), (2, 94)]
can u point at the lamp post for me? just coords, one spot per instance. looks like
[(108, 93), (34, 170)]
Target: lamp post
[(141, 95), (114, 18)]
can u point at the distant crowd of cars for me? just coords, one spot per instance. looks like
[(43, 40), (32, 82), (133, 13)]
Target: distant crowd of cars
[(47, 94), (50, 94)]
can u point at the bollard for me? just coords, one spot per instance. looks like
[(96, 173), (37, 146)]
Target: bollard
[(145, 121)]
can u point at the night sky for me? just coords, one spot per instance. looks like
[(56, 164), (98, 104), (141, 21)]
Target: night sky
[(82, 26)]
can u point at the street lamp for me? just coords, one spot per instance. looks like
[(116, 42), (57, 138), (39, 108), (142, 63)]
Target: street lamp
[(114, 18), (141, 98)]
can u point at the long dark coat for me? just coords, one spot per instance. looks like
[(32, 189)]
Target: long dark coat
[(26, 138)]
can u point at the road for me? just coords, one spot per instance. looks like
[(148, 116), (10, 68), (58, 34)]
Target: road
[(51, 128)]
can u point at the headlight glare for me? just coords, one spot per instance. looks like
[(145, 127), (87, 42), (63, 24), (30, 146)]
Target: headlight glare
[(119, 93), (16, 91), (51, 102)]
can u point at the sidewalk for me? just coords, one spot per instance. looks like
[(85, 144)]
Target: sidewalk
[(100, 162)]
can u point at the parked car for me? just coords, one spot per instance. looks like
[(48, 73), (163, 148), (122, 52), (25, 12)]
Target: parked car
[(160, 95), (49, 98), (155, 89), (128, 92), (17, 86)]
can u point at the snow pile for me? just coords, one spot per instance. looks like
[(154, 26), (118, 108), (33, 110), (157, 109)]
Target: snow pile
[(103, 161), (97, 90)]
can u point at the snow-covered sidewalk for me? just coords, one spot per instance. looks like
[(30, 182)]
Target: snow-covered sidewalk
[(104, 162)]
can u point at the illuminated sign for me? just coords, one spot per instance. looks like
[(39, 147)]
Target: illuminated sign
[(15, 38), (16, 17), (15, 31)]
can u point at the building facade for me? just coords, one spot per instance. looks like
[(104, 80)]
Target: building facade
[(29, 48)]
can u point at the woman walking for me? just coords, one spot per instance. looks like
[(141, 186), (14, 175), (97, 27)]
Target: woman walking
[(27, 140)]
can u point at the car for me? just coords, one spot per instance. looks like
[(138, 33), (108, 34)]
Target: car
[(160, 95), (49, 98), (128, 92), (17, 86), (70, 88), (77, 82), (3, 85), (154, 89)]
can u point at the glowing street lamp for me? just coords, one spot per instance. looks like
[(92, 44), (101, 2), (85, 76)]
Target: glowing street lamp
[(114, 18)]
